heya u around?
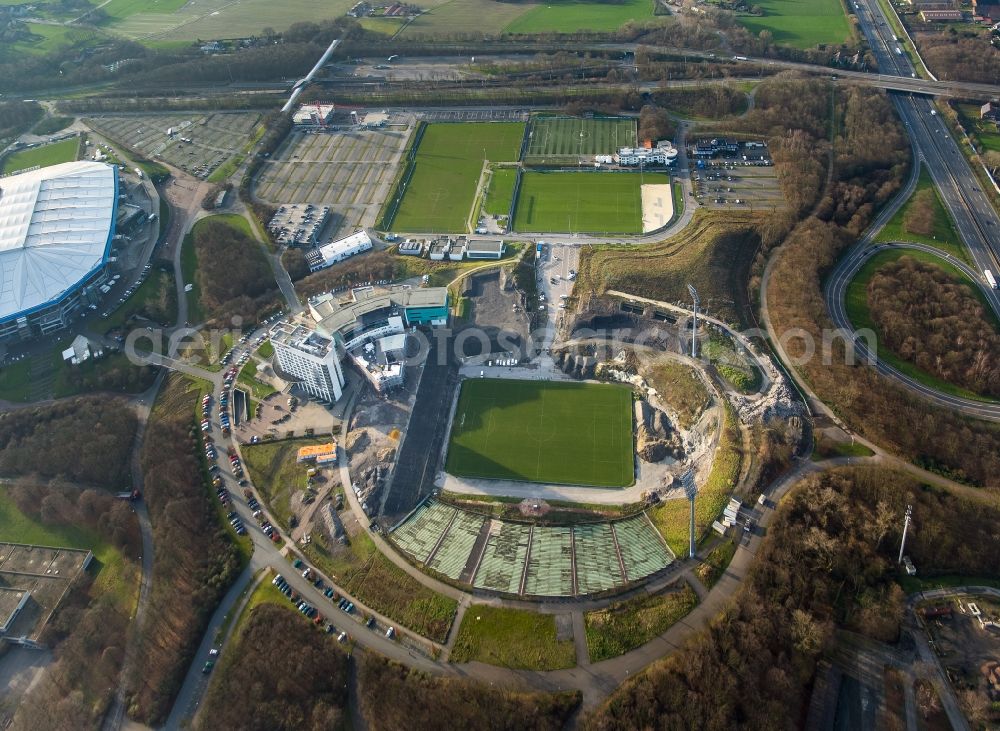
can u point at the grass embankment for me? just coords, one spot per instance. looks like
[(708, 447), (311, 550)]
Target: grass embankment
[(449, 161), (43, 156), (371, 578), (943, 235), (248, 377), (714, 254), (715, 563), (51, 125), (628, 624), (826, 448), (512, 638), (731, 363), (856, 305), (277, 475), (672, 518)]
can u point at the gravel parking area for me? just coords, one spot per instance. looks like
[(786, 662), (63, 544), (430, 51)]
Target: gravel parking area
[(349, 170), (214, 138), (723, 185)]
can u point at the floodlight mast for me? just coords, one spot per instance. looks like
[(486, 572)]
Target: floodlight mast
[(691, 490), (906, 527), (694, 322)]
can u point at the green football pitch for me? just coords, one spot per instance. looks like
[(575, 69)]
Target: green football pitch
[(591, 202), (543, 431), (561, 139), (448, 163)]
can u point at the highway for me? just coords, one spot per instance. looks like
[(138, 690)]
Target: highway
[(975, 218)]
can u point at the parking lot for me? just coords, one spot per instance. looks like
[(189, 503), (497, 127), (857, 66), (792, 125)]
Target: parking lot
[(725, 184), (349, 170), (197, 144)]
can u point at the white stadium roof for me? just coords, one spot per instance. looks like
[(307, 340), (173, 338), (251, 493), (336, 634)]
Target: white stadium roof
[(55, 226)]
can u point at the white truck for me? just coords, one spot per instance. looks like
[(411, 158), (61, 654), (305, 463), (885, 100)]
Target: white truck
[(990, 279)]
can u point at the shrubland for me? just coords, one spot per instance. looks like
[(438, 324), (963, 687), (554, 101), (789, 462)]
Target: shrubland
[(302, 685), (829, 561), (86, 440), (394, 697), (929, 318)]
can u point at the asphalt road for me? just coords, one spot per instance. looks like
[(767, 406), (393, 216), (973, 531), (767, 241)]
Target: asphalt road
[(975, 218)]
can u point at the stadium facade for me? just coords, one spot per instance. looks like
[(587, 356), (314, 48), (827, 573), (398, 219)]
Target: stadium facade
[(56, 228)]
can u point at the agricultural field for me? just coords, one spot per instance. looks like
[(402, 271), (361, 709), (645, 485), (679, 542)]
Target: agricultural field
[(214, 137), (799, 24), (565, 140), (438, 191), (592, 202), (43, 156), (457, 16), (550, 432), (351, 172), (572, 16), (176, 20)]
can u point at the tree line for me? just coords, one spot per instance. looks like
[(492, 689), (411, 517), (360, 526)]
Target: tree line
[(871, 160), (196, 559), (828, 562), (393, 697), (929, 318), (234, 276), (301, 686), (85, 440)]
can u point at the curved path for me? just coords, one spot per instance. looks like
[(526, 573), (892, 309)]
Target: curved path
[(836, 292)]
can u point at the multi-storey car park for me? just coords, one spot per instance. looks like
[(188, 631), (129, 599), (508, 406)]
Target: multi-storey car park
[(56, 228)]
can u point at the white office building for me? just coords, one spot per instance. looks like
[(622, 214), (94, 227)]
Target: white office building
[(309, 359), (663, 154), (345, 248)]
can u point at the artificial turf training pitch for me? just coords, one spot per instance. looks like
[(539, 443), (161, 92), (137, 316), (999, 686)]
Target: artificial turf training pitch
[(543, 431)]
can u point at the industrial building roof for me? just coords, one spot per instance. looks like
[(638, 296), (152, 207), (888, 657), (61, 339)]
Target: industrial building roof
[(56, 225)]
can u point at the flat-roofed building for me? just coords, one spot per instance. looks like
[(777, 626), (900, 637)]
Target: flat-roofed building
[(12, 601), (337, 251), (485, 249), (309, 348)]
